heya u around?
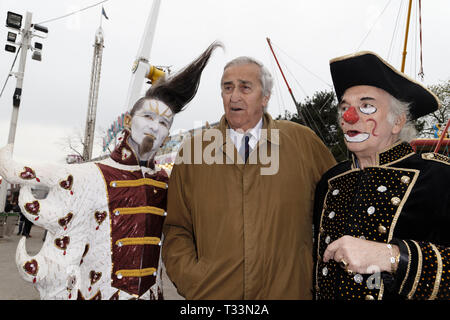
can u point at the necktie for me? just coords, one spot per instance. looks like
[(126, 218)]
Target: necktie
[(244, 150)]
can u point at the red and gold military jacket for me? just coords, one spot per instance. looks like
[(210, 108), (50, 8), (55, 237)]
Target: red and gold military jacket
[(137, 198)]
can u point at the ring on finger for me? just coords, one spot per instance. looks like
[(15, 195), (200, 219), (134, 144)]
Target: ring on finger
[(343, 264)]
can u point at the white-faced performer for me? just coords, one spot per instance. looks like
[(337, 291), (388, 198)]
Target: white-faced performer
[(382, 219), (104, 219)]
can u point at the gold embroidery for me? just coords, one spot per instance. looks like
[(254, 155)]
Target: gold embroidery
[(137, 210), (402, 203), (380, 294), (136, 272), (138, 183), (437, 282), (138, 241), (436, 157), (408, 267), (419, 271)]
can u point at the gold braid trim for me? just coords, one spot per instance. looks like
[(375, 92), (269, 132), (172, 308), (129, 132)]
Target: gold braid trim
[(138, 241), (437, 282), (136, 272), (408, 267), (136, 210), (419, 270), (138, 183)]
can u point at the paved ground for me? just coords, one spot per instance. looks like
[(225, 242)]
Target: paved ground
[(13, 287)]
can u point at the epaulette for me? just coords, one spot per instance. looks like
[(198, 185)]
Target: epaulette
[(436, 157)]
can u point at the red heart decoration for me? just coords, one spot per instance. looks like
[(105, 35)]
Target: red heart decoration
[(31, 267), (32, 207), (67, 184), (100, 216), (63, 222), (62, 243), (95, 276), (27, 174)]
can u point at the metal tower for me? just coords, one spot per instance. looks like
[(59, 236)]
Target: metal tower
[(93, 95)]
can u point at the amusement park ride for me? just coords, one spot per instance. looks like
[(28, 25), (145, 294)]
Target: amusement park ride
[(142, 71)]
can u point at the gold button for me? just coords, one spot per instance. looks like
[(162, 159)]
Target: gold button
[(382, 229), (369, 297), (395, 201), (405, 179)]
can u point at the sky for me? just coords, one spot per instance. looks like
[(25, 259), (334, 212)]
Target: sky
[(305, 36)]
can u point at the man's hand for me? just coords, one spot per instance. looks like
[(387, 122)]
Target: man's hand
[(360, 256)]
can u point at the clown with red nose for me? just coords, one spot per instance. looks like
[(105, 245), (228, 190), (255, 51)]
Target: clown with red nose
[(381, 223)]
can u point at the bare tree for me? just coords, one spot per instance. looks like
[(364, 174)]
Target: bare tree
[(73, 142)]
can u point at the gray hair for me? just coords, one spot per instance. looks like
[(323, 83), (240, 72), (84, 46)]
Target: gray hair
[(397, 109), (265, 76)]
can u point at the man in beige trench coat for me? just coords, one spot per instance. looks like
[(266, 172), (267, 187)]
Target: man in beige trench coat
[(241, 228)]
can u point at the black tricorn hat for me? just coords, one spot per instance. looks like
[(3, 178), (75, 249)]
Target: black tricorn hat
[(367, 68)]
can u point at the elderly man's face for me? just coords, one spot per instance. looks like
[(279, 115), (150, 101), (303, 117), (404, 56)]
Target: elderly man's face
[(364, 120), (242, 96), (150, 125)]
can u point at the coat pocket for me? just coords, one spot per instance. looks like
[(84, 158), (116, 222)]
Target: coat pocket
[(196, 277)]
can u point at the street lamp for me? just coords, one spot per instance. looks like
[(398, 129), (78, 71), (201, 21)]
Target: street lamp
[(37, 55), (12, 37), (13, 20), (37, 52), (40, 28), (10, 48)]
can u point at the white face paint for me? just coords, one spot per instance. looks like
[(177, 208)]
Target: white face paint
[(364, 120), (153, 119), (360, 137)]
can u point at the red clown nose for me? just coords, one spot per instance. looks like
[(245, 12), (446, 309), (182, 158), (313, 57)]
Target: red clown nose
[(351, 116)]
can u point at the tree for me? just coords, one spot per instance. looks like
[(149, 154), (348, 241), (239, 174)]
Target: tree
[(440, 117), (73, 143), (320, 114)]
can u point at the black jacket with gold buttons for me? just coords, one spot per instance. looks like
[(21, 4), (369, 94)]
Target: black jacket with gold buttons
[(404, 200)]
